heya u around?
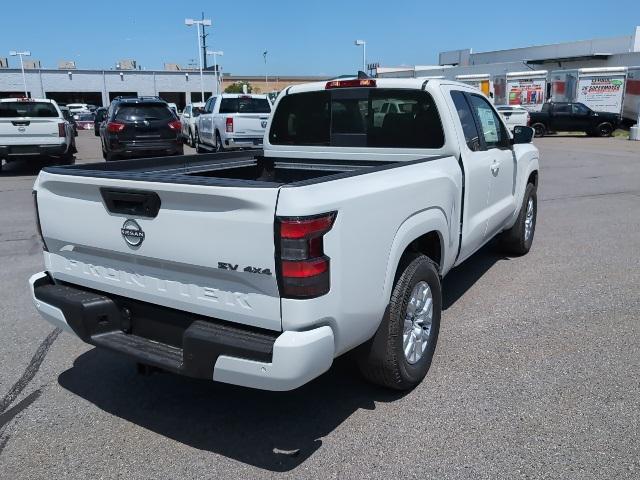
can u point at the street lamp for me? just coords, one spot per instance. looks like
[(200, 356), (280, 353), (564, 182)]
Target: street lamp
[(362, 43), (216, 53), (205, 22), (266, 72), (27, 53)]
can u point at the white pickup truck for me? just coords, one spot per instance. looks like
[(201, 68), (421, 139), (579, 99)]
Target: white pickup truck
[(33, 127), (259, 268), (232, 121)]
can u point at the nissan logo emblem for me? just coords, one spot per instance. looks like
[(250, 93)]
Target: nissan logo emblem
[(132, 233)]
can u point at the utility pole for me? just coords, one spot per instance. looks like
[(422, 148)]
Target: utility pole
[(204, 45)]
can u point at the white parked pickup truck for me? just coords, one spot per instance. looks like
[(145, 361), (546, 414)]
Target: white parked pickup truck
[(259, 268), (32, 127), (232, 121)]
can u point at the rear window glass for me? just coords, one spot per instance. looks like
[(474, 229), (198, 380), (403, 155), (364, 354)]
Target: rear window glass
[(27, 109), (358, 117), (142, 111), (245, 105), (85, 117)]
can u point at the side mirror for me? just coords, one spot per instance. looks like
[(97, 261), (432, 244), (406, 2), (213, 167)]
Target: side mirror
[(522, 134)]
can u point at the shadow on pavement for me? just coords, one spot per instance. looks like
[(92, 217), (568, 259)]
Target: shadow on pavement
[(275, 431), (27, 166), (463, 277)]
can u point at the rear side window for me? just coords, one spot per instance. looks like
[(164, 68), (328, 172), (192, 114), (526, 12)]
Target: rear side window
[(358, 117), (142, 111), (562, 108), (27, 109), (466, 120), (245, 105)]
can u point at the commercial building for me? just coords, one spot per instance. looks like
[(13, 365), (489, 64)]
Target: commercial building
[(99, 87), (602, 73)]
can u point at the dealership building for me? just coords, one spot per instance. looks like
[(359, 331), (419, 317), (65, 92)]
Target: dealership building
[(68, 84), (602, 73)]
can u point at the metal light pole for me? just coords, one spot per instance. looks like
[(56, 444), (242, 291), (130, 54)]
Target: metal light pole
[(362, 43), (215, 54), (266, 72), (27, 53), (204, 22)]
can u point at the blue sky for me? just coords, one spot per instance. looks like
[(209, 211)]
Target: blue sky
[(306, 38)]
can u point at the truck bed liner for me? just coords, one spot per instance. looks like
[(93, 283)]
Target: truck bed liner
[(246, 169)]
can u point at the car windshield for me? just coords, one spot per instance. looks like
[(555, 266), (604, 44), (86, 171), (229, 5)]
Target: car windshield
[(142, 111), (245, 105), (27, 109), (356, 118)]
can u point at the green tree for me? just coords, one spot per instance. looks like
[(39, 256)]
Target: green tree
[(237, 87)]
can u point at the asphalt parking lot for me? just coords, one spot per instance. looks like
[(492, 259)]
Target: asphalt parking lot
[(536, 373)]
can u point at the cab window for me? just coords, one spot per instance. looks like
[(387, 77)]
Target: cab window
[(492, 130)]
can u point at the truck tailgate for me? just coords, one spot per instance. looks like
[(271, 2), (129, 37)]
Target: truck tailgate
[(29, 131), (209, 250), (250, 124)]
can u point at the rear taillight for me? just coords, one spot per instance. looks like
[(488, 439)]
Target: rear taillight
[(115, 127), (61, 130), (229, 125), (38, 226), (175, 125), (302, 265), (350, 83)]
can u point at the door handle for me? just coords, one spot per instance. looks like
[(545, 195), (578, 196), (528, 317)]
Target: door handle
[(495, 168)]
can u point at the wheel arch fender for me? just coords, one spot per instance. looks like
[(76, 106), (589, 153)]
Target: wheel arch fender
[(417, 225)]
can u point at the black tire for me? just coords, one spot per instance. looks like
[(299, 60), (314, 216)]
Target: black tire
[(219, 145), (382, 359), (515, 240), (68, 158), (110, 157), (540, 129), (192, 140), (199, 148), (605, 129)]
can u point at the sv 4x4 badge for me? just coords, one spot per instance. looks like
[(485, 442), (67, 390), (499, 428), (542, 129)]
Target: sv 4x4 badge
[(249, 269)]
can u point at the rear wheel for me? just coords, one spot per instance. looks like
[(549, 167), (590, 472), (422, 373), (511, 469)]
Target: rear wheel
[(604, 129), (192, 140), (110, 157), (540, 129), (219, 144), (400, 353)]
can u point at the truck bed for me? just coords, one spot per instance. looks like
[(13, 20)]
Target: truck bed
[(245, 168)]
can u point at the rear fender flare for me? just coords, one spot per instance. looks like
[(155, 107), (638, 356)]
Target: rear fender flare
[(430, 220)]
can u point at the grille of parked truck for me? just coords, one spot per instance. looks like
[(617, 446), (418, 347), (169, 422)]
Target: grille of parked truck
[(259, 268)]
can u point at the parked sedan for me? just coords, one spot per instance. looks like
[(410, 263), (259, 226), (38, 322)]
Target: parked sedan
[(188, 119), (84, 120)]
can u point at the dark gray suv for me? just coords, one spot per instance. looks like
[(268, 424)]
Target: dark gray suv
[(140, 127)]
